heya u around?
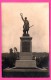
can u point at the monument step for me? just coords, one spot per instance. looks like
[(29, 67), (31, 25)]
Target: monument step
[(25, 56), (25, 63), (26, 53)]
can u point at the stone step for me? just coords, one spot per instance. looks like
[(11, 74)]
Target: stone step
[(25, 53), (25, 63), (25, 56)]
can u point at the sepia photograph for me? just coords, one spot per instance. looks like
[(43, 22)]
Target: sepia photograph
[(25, 39)]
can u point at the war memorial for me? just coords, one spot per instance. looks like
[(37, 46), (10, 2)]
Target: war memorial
[(25, 48), (25, 66)]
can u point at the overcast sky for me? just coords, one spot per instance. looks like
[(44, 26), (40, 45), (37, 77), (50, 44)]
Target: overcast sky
[(12, 25)]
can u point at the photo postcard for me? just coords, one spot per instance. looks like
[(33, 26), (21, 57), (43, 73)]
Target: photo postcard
[(25, 39)]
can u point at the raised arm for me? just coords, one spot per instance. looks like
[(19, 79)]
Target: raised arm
[(21, 16)]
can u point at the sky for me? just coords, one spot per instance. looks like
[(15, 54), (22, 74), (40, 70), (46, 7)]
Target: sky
[(12, 25)]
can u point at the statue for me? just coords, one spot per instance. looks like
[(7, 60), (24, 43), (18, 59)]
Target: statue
[(26, 25)]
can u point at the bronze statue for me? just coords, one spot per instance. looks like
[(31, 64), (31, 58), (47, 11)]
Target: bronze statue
[(26, 24)]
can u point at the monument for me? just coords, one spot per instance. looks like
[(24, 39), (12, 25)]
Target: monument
[(26, 40), (25, 47)]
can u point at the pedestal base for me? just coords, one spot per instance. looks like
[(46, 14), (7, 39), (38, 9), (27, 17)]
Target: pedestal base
[(25, 63)]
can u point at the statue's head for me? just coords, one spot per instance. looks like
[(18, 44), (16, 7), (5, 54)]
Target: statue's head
[(25, 18)]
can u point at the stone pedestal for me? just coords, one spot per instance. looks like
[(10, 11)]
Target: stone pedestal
[(26, 44), (25, 63), (25, 53)]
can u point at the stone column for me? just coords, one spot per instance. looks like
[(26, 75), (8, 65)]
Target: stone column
[(26, 44)]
